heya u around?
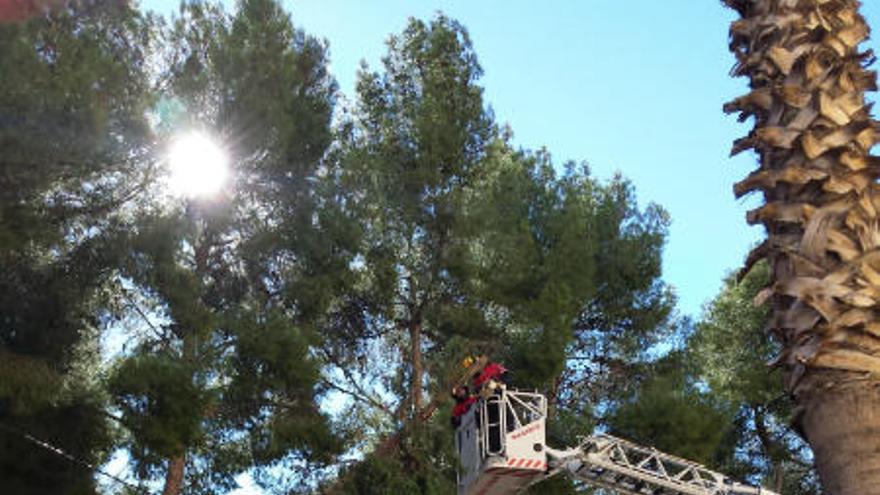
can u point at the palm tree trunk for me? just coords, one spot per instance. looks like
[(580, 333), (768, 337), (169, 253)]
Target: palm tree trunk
[(842, 424), (813, 134)]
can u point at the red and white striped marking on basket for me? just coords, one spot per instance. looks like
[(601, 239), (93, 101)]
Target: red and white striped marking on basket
[(514, 462), (504, 472)]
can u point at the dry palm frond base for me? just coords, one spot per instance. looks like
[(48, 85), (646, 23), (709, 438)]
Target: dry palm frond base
[(813, 133)]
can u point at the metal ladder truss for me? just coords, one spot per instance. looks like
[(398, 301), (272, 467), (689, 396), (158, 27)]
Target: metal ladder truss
[(628, 469)]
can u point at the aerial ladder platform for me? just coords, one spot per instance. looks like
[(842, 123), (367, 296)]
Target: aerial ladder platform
[(501, 443)]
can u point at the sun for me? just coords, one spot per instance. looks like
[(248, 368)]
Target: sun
[(198, 166)]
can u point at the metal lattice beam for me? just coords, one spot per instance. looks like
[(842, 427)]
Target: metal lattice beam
[(629, 469)]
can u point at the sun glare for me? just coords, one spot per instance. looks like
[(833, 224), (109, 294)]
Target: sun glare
[(198, 165)]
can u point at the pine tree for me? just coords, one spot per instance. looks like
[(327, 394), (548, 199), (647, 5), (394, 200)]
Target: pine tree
[(73, 95), (669, 411), (729, 351), (225, 379), (469, 246)]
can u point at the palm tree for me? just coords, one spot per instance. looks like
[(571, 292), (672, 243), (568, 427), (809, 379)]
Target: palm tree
[(813, 133)]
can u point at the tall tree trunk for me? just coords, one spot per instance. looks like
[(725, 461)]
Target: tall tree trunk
[(418, 369), (177, 463), (842, 424), (778, 477), (769, 447), (813, 133), (174, 476)]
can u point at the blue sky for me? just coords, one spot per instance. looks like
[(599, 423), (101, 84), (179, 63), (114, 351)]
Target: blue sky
[(633, 86)]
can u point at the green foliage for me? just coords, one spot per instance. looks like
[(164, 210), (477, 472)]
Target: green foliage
[(77, 426), (731, 345), (73, 96), (159, 402), (289, 106), (531, 253), (418, 134), (29, 383), (576, 264), (234, 285), (270, 356), (378, 476), (714, 400), (670, 413), (730, 351), (629, 311), (557, 485), (332, 264), (73, 122), (421, 463), (480, 247)]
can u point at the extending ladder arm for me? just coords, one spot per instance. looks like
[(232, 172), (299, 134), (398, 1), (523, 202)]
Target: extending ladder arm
[(630, 469)]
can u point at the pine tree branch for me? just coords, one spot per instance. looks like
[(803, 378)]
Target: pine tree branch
[(359, 393), (359, 396), (133, 305)]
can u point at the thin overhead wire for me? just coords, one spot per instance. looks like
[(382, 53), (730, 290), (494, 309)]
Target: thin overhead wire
[(71, 458)]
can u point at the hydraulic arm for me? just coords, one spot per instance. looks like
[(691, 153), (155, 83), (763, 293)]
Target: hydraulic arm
[(630, 469), (502, 447)]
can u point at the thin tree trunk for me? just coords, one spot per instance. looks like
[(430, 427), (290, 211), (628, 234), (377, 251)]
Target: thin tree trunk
[(177, 463), (418, 371), (841, 420), (767, 443), (174, 476), (770, 449), (778, 477)]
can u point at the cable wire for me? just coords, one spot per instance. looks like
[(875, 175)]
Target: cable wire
[(61, 453)]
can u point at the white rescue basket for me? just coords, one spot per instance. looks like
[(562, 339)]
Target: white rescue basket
[(501, 443)]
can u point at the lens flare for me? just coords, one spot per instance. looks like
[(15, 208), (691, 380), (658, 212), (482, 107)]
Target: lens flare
[(198, 166)]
